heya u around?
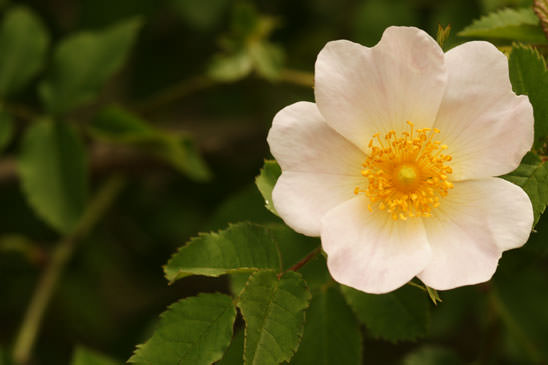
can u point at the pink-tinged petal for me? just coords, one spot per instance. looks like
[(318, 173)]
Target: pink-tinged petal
[(320, 167), (300, 140), (487, 127), (302, 198), (361, 91), (370, 251), (469, 230)]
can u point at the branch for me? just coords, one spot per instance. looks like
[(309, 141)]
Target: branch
[(62, 254)]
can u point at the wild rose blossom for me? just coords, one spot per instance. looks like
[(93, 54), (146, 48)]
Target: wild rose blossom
[(394, 165)]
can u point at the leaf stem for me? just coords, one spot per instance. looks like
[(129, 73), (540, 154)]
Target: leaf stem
[(61, 255), (303, 261)]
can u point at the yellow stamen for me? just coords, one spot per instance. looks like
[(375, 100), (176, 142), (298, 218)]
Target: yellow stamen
[(407, 175)]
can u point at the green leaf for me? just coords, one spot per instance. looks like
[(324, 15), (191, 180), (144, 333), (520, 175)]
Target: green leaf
[(266, 180), (53, 170), (511, 24), (331, 333), (6, 129), (401, 315), (235, 353), (23, 44), (520, 298), (231, 67), (116, 125), (532, 176), (268, 59), (529, 77), (292, 247), (195, 330), (84, 356), (274, 311), (432, 355), (241, 247), (82, 63)]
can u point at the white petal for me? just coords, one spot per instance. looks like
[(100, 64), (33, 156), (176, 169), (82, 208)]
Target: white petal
[(300, 140), (320, 168), (370, 251), (302, 199), (361, 91), (487, 127), (468, 232)]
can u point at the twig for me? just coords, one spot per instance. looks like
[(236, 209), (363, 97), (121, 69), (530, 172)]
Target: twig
[(302, 262), (62, 254)]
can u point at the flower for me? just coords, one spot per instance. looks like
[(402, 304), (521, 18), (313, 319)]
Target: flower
[(395, 164)]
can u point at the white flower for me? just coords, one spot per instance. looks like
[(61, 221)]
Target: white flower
[(394, 165)]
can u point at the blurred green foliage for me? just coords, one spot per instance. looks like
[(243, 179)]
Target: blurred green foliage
[(178, 95)]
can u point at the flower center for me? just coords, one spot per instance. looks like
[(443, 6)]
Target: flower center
[(407, 175)]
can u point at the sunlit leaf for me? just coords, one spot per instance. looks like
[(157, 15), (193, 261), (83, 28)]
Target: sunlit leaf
[(266, 180), (23, 44), (268, 59), (195, 330), (116, 125), (53, 170), (510, 24), (529, 77), (532, 176), (83, 62), (274, 311), (331, 333), (84, 356), (401, 315), (230, 68), (241, 247)]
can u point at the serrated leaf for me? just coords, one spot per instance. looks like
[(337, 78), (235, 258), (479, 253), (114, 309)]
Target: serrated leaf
[(540, 7), (241, 247), (266, 180), (117, 125), (235, 353), (53, 169), (401, 315), (84, 356), (23, 44), (532, 176), (511, 24), (274, 311), (432, 355), (82, 63), (529, 77), (195, 331), (292, 247), (331, 333), (6, 129)]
